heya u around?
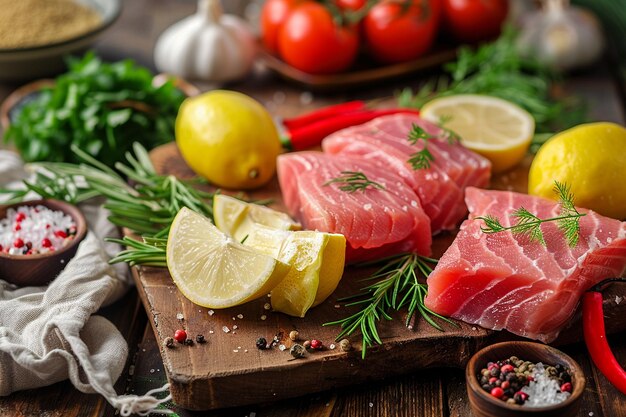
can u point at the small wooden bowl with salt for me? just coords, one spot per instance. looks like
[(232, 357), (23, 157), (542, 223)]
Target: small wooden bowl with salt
[(38, 269), (483, 404)]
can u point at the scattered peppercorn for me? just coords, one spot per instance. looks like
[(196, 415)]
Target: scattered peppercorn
[(345, 345), (169, 342), (567, 387), (307, 344), (297, 351), (317, 344), (261, 343), (293, 335), (180, 336), (200, 338), (189, 342), (497, 392)]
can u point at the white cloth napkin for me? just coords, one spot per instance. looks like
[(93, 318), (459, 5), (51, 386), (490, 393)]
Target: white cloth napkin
[(49, 334)]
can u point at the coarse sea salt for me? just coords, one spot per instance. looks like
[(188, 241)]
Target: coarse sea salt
[(543, 390), (30, 230)]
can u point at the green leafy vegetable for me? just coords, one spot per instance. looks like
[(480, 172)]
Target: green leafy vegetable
[(497, 69), (396, 287), (100, 108), (528, 224)]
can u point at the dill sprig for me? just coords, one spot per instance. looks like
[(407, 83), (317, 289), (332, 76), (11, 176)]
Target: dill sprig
[(529, 224), (422, 158), (354, 181), (147, 208), (396, 287)]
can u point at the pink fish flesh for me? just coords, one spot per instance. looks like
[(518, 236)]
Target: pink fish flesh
[(505, 281)]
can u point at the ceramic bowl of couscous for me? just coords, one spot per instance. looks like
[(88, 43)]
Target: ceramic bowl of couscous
[(35, 35)]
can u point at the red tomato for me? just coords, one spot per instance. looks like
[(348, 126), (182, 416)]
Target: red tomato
[(273, 15), (310, 41), (394, 34), (474, 20), (350, 4)]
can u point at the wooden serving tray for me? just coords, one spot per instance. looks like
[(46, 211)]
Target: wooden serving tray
[(229, 370)]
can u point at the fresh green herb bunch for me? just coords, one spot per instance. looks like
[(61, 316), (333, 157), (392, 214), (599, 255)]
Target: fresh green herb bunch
[(498, 70), (147, 208), (101, 108), (352, 181), (396, 287)]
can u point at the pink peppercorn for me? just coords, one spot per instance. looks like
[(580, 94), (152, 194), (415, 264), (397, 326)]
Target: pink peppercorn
[(18, 243), (567, 387), (497, 392), (45, 242), (180, 335), (19, 217), (316, 344), (61, 234), (507, 368), (17, 227)]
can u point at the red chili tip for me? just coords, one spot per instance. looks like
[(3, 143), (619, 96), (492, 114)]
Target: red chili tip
[(180, 336), (497, 392), (567, 387), (18, 243), (19, 217), (45, 242), (61, 234)]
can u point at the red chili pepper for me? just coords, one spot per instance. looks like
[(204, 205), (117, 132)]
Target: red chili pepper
[(324, 113), (595, 336), (312, 135)]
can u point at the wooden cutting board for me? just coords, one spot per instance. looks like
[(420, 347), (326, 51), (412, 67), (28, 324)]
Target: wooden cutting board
[(229, 370)]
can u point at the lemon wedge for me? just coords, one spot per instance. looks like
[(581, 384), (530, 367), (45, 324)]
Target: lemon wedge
[(236, 217), (495, 128), (213, 270), (316, 259)]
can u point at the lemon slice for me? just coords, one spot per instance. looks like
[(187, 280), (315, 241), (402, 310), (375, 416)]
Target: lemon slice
[(213, 270), (495, 128), (236, 217), (316, 260)]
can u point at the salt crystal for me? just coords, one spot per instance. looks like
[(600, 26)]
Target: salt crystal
[(179, 316), (263, 317), (211, 312), (306, 98), (211, 332), (371, 405), (239, 316), (367, 206), (234, 319), (152, 370), (235, 327), (474, 328), (413, 203), (131, 370), (618, 299), (337, 305), (225, 329), (282, 347), (267, 306), (543, 390), (591, 414), (245, 351), (235, 350), (332, 346)]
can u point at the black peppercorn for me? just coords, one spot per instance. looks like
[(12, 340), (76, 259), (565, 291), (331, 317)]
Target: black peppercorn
[(169, 342), (261, 343), (200, 338), (189, 342)]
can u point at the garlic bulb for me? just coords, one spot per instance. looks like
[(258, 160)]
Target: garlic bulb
[(209, 46), (562, 36)]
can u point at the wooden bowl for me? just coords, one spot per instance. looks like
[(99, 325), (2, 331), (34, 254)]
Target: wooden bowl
[(40, 269), (485, 405)]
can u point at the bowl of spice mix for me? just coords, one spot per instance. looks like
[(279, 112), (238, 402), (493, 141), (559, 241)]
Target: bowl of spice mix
[(36, 35), (517, 379), (37, 239)]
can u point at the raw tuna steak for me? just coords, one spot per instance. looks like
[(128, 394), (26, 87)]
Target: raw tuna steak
[(376, 222), (504, 281), (440, 188)]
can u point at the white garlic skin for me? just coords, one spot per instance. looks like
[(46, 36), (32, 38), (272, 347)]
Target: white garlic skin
[(208, 46), (562, 37)]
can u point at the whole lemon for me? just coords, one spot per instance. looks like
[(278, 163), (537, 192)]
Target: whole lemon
[(591, 159), (228, 138)]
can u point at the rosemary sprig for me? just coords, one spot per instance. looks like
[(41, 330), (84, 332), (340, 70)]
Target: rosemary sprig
[(422, 158), (529, 224), (396, 287), (147, 208), (354, 181)]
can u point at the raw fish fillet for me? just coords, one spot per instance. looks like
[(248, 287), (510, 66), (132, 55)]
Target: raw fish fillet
[(504, 281), (440, 188), (375, 222)]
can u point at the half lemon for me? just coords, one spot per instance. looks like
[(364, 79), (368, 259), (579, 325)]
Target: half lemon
[(499, 130)]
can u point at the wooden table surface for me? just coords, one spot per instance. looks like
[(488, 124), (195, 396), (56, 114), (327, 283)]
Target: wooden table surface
[(431, 393)]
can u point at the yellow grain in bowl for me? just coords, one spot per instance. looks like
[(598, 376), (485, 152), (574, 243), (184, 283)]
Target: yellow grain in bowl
[(32, 23)]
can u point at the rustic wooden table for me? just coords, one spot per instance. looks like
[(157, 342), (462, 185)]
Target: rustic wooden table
[(432, 393)]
